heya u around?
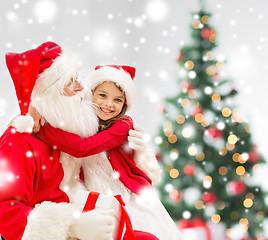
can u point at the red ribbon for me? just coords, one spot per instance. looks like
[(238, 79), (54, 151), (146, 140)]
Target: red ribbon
[(124, 218), (197, 222)]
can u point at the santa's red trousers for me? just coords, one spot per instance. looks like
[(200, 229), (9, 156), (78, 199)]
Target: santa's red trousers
[(142, 236)]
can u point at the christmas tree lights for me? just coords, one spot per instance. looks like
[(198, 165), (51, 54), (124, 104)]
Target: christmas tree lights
[(206, 149)]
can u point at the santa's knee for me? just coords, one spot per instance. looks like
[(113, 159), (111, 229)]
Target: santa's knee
[(140, 235)]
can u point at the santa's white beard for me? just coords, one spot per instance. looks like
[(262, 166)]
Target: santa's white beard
[(73, 114), (70, 113)]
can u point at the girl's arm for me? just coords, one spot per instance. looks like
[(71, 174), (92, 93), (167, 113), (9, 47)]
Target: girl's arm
[(76, 146)]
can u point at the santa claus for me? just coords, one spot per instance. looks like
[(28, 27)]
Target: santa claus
[(36, 188)]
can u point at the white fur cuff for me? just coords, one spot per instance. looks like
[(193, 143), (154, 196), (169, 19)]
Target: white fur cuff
[(49, 220), (147, 162), (23, 123)]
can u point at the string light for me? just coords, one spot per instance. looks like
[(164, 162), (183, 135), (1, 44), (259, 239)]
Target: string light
[(230, 147), (236, 116), (189, 65), (211, 70), (174, 173), (220, 125), (216, 218), (216, 97), (212, 37), (192, 74), (200, 156), (187, 132), (223, 170), (223, 151), (168, 132), (255, 167), (209, 55), (172, 138), (244, 223), (192, 150), (197, 24), (232, 139), (192, 93), (208, 90), (207, 181), (236, 157), (205, 124), (240, 170), (174, 154), (199, 117), (185, 103), (245, 156), (205, 19), (221, 205), (168, 128), (199, 204), (248, 203), (180, 119), (226, 112)]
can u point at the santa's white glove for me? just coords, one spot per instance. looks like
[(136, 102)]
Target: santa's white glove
[(143, 156), (93, 225)]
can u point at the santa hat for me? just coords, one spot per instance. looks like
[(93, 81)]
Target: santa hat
[(25, 67), (33, 72), (121, 75), (36, 70)]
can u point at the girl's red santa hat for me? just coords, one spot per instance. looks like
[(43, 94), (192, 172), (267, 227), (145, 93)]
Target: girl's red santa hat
[(36, 70), (121, 75)]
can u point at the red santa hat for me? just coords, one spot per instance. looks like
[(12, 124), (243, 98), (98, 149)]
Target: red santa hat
[(38, 69), (25, 67), (121, 75)]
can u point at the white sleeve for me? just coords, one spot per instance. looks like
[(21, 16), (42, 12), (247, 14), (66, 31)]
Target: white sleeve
[(146, 161)]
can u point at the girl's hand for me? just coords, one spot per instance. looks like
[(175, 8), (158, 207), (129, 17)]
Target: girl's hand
[(38, 119), (143, 156), (136, 139)]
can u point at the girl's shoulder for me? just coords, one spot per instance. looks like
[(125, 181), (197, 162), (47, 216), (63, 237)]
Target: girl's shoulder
[(126, 120)]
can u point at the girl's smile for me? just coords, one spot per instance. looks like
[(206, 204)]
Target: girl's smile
[(109, 99)]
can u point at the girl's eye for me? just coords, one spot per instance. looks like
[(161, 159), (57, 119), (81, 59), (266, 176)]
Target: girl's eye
[(102, 95), (118, 100)]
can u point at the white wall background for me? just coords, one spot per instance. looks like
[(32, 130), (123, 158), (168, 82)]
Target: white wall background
[(147, 34)]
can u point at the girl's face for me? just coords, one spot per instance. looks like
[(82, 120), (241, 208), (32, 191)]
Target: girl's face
[(110, 100)]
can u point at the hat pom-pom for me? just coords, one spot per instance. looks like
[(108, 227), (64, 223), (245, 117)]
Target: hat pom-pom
[(23, 123)]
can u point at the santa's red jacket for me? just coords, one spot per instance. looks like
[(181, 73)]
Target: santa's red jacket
[(31, 203)]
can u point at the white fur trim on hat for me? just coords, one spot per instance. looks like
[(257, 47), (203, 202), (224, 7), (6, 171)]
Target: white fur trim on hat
[(49, 220), (58, 75), (119, 77), (23, 123)]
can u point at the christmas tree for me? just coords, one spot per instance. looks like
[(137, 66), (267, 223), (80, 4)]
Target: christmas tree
[(207, 152)]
